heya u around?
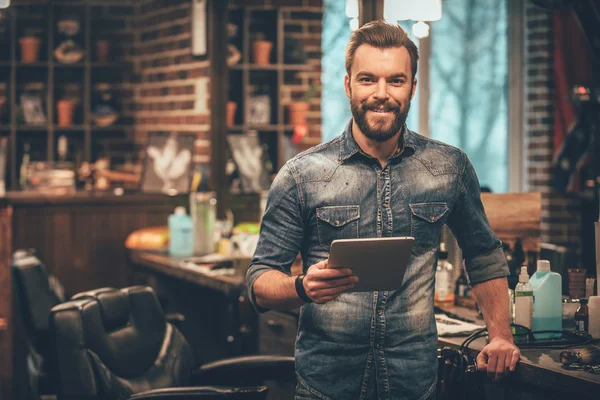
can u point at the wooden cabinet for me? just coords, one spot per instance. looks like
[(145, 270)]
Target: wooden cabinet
[(277, 333)]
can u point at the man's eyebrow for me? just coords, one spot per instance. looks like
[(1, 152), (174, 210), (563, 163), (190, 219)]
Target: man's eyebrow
[(398, 75)]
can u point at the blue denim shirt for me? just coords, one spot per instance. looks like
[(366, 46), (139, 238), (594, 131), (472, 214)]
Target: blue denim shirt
[(374, 342)]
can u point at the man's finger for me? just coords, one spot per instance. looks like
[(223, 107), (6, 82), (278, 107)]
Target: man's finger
[(492, 362), (499, 367), (507, 361), (331, 273), (330, 283), (481, 362), (514, 359), (330, 291)]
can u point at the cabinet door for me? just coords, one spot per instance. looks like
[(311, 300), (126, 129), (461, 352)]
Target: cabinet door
[(277, 333)]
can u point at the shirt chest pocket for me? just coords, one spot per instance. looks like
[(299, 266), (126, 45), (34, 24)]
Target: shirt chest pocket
[(426, 223), (337, 222)]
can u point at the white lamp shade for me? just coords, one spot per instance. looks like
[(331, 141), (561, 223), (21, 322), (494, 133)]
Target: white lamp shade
[(417, 10), (426, 10), (352, 8)]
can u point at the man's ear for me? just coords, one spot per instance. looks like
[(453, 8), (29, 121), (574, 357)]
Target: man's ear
[(347, 86), (414, 88)]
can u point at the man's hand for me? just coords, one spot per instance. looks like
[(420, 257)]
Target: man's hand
[(498, 358), (324, 284)]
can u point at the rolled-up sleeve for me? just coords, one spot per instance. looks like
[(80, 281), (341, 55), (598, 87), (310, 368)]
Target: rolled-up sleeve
[(281, 231), (481, 248)]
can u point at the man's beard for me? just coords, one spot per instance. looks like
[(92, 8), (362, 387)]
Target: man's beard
[(377, 131)]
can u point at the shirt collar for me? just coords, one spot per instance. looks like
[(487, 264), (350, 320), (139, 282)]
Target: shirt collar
[(349, 147)]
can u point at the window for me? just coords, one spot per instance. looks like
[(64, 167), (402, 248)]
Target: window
[(335, 106), (469, 85)]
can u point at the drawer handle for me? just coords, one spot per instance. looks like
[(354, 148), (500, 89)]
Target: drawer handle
[(274, 324)]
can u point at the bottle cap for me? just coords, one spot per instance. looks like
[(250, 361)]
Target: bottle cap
[(180, 210), (523, 276), (583, 301), (543, 266), (443, 253)]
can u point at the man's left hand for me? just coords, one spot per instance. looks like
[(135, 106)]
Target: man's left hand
[(498, 358)]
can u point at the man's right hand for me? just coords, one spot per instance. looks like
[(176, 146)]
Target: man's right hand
[(324, 284)]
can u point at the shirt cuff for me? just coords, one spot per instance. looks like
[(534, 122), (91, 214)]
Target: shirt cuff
[(254, 271), (486, 267)]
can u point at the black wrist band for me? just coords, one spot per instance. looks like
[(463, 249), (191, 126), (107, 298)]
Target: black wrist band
[(300, 289)]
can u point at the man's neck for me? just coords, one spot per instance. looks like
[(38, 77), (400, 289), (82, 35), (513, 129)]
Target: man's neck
[(382, 151)]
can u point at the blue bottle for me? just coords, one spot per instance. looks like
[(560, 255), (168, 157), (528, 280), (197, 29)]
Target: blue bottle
[(181, 234), (547, 295)]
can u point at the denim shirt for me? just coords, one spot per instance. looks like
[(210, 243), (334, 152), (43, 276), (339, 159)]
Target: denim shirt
[(374, 342)]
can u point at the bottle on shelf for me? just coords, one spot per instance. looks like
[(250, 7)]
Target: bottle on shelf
[(547, 292), (516, 262), (24, 166), (524, 300), (62, 148), (444, 285), (181, 234), (582, 316)]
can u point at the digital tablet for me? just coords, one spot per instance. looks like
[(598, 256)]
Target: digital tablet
[(379, 263)]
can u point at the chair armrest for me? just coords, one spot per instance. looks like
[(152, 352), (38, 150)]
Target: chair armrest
[(176, 319), (246, 371), (204, 393)]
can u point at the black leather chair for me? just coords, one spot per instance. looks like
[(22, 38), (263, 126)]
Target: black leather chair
[(116, 344), (35, 293)]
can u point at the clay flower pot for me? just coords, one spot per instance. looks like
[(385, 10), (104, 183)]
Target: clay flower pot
[(102, 50), (65, 109), (297, 111), (30, 49), (231, 108), (262, 52)]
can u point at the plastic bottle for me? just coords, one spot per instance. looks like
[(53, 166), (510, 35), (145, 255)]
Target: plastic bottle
[(594, 316), (181, 234), (524, 300), (582, 316), (444, 285), (547, 297)]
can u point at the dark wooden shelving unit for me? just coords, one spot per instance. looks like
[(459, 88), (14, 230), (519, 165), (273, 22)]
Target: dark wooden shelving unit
[(54, 76), (245, 75)]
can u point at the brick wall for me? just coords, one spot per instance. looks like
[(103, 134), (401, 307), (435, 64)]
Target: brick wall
[(560, 217), (172, 92), (168, 95)]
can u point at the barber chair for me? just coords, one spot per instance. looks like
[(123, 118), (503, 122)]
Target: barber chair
[(35, 293), (117, 344)]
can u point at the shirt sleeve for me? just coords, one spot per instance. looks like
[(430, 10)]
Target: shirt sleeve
[(481, 248), (281, 232)]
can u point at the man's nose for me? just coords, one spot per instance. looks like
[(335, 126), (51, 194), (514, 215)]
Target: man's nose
[(381, 90)]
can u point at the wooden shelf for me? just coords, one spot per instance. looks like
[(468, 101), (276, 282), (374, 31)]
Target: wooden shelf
[(271, 67), (54, 75), (74, 65), (31, 128), (110, 128), (71, 128)]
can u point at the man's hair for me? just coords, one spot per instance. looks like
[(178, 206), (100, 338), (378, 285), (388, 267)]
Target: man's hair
[(381, 35)]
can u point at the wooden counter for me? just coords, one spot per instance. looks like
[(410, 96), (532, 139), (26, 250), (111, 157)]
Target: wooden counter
[(539, 371)]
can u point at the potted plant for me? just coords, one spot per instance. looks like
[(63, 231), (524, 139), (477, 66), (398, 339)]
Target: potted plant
[(298, 109), (30, 48), (262, 50)]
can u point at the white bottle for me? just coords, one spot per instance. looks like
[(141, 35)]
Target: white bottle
[(594, 316), (524, 300)]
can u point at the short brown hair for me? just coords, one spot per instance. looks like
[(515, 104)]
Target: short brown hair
[(381, 35)]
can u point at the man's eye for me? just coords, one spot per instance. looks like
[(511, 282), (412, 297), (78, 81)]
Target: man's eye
[(364, 80), (397, 81)]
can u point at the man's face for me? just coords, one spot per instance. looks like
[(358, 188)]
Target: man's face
[(380, 89)]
